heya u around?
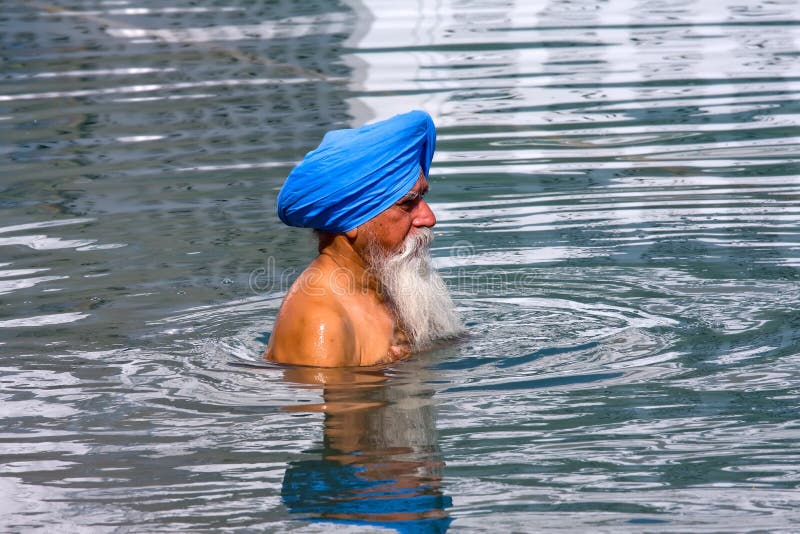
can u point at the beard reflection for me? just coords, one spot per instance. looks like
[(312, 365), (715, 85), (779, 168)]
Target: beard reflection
[(415, 291), (380, 463)]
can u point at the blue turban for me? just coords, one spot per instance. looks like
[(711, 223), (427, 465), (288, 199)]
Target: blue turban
[(355, 174)]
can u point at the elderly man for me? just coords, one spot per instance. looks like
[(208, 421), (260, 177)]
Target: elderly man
[(371, 296)]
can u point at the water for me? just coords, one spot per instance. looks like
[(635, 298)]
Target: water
[(618, 195)]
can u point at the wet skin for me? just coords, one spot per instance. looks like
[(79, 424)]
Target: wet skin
[(334, 314)]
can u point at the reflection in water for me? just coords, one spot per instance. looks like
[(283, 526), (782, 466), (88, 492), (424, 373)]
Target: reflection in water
[(379, 463)]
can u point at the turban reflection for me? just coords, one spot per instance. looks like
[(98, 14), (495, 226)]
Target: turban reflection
[(355, 174)]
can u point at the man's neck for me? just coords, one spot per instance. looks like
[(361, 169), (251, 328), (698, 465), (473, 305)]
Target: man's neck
[(341, 251)]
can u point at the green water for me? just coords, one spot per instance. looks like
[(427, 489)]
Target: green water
[(618, 198)]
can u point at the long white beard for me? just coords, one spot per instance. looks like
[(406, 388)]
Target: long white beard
[(415, 291)]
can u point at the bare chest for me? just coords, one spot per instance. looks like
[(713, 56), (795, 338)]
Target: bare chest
[(378, 337)]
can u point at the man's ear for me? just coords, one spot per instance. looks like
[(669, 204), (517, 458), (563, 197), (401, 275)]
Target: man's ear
[(352, 234)]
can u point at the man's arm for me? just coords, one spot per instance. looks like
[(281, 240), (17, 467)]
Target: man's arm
[(310, 332)]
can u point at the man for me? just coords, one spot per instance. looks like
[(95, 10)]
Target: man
[(372, 295)]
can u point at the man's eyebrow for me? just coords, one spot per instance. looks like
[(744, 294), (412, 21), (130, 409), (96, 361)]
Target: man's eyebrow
[(412, 195)]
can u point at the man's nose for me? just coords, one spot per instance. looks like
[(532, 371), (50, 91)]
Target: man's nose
[(424, 215)]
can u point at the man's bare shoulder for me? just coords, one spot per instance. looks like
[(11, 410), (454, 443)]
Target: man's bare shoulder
[(312, 328)]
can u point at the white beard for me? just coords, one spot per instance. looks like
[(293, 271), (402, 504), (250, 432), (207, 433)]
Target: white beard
[(414, 290)]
